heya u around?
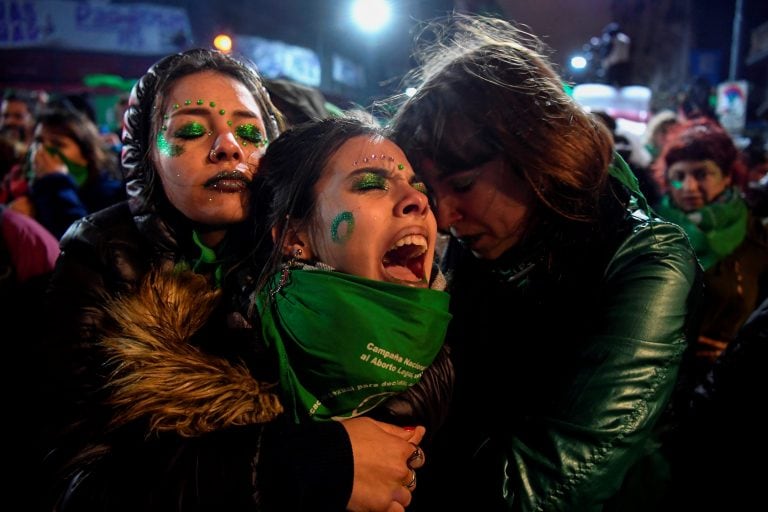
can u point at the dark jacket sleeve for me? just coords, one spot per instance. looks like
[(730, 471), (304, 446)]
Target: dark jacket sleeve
[(306, 467), (426, 403), (577, 458), (57, 203)]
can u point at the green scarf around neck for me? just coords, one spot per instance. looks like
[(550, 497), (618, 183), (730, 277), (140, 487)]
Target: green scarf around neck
[(715, 230), (345, 343), (207, 262)]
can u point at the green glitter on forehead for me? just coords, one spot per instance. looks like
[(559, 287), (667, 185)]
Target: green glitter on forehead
[(200, 102), (187, 102), (342, 218), (213, 103), (229, 123), (222, 112), (166, 148)]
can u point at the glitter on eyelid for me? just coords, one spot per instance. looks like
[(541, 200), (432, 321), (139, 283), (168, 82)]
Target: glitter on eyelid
[(371, 180), (347, 219), (250, 132)]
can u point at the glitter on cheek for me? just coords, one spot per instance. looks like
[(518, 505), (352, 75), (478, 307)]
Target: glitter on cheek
[(342, 227), (677, 185), (166, 148)]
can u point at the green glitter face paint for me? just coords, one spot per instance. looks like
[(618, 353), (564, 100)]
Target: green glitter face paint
[(345, 222), (420, 187), (190, 131), (250, 133), (371, 180), (166, 148)]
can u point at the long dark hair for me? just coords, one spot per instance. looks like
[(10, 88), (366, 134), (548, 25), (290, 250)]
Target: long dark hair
[(143, 118), (78, 127), (284, 188)]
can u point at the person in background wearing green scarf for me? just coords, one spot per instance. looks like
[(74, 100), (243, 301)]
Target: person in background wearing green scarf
[(70, 172), (698, 167), (350, 300)]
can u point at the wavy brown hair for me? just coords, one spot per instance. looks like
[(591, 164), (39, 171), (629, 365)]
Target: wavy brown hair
[(486, 89)]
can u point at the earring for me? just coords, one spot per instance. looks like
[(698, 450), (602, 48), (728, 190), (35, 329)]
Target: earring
[(213, 156), (297, 253)]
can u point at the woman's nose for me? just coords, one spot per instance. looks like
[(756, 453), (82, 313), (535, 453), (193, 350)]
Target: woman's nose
[(412, 203), (225, 147)]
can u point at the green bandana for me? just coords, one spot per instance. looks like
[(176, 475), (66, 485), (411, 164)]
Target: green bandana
[(715, 230), (78, 172), (346, 343)]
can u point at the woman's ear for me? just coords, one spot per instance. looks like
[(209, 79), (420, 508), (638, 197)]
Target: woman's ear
[(295, 243)]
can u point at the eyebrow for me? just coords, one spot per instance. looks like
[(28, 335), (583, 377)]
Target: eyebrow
[(206, 111), (387, 173)]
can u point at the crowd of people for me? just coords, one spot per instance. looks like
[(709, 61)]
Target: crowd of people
[(472, 303)]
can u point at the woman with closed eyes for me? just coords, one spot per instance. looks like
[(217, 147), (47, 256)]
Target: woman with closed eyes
[(150, 403), (570, 301)]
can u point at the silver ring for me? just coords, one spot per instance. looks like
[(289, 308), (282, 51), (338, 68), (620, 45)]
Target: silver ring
[(213, 156), (412, 484), (416, 456)]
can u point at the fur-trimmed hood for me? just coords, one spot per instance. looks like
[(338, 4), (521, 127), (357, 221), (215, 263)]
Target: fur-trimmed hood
[(159, 376)]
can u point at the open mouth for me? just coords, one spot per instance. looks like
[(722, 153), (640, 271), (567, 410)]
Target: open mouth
[(404, 261)]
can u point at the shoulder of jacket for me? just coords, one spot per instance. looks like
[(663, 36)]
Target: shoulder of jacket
[(114, 222)]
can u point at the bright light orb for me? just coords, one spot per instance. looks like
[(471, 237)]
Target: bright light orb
[(578, 62), (223, 42), (371, 15)]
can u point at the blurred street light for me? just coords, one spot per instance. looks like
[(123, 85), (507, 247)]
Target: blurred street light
[(371, 15), (223, 43)]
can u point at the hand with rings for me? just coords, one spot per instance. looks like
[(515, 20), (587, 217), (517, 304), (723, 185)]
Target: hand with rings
[(414, 462)]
